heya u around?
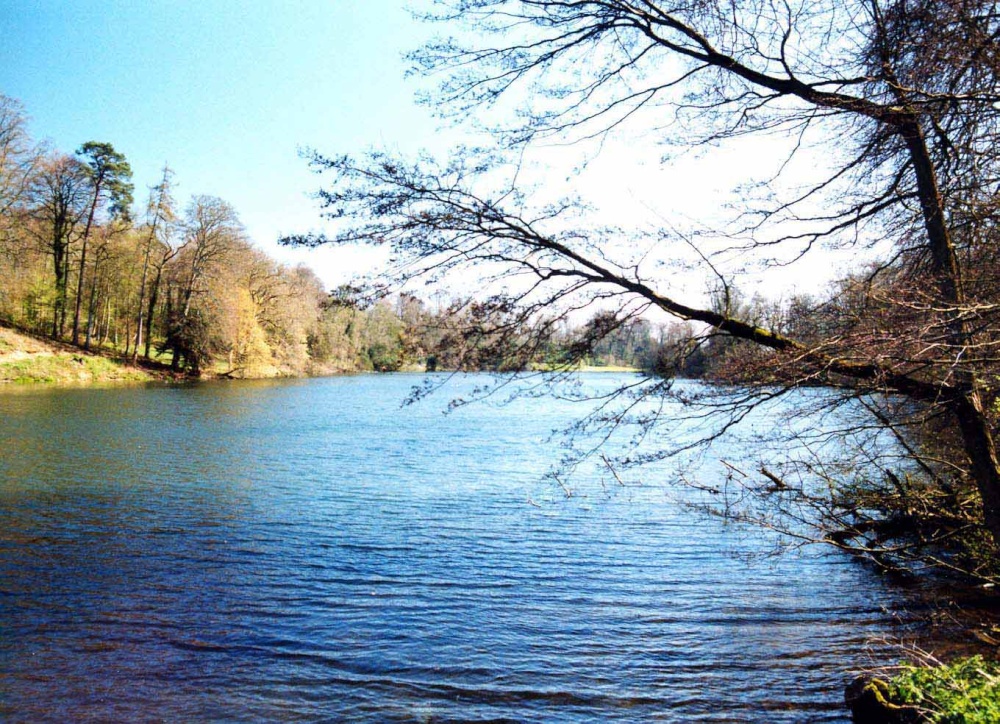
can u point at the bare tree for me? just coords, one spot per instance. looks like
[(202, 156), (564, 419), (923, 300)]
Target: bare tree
[(19, 158), (903, 96), (160, 220)]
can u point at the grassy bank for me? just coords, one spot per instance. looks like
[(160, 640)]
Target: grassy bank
[(26, 359)]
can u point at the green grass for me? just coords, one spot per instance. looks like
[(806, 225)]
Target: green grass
[(67, 369), (966, 691)]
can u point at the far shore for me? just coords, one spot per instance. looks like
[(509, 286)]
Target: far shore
[(30, 360)]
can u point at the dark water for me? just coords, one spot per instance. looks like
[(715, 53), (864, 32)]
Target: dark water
[(308, 551)]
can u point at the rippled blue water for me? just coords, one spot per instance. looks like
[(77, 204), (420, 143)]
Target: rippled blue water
[(311, 551)]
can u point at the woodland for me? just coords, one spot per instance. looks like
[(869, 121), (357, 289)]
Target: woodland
[(83, 262)]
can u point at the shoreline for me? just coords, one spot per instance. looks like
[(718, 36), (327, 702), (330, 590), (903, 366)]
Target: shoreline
[(28, 361)]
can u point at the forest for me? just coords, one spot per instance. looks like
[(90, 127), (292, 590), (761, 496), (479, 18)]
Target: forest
[(85, 262)]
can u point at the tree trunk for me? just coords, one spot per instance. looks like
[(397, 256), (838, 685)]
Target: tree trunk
[(154, 291), (139, 314), (91, 309), (98, 182), (58, 252), (980, 446), (128, 339), (64, 294), (110, 327), (974, 423)]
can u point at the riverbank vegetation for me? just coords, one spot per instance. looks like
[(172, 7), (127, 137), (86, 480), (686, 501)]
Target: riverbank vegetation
[(30, 359), (964, 691), (84, 265)]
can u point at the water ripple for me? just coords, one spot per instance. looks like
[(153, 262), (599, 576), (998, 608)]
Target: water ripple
[(310, 551)]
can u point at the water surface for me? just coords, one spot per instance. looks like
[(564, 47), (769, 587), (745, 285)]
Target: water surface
[(312, 551)]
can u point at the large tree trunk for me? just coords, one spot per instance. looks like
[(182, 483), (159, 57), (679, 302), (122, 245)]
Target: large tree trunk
[(154, 291), (79, 284), (59, 252), (63, 294), (83, 262), (973, 420), (79, 292), (980, 446)]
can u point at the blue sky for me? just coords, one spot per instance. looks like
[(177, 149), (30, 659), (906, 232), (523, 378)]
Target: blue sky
[(225, 92)]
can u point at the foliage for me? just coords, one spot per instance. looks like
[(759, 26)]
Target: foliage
[(75, 262), (108, 177), (966, 691)]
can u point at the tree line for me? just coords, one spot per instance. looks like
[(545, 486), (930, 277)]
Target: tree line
[(82, 261)]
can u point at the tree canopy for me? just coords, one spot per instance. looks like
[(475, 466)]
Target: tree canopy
[(186, 288)]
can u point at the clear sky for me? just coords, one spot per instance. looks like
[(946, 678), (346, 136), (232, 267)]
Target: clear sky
[(226, 92)]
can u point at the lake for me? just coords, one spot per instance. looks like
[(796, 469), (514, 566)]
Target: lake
[(311, 550)]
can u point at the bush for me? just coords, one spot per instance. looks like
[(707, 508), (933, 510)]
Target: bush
[(966, 691)]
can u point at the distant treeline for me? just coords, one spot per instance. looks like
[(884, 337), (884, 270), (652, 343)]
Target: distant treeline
[(83, 261)]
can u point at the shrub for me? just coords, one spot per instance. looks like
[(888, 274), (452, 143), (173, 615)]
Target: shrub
[(966, 691)]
